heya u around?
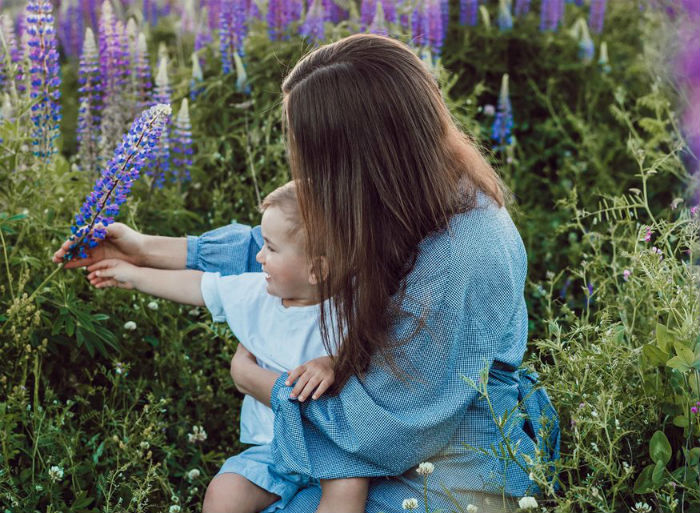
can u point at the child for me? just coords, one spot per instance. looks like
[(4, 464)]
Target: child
[(275, 315)]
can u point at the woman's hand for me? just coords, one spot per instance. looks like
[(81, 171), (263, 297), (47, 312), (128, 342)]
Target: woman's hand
[(121, 242), (316, 374)]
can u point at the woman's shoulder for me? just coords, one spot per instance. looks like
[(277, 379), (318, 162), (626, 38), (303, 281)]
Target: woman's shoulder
[(486, 230)]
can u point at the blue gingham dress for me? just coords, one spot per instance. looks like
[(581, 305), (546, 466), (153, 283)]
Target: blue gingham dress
[(468, 281)]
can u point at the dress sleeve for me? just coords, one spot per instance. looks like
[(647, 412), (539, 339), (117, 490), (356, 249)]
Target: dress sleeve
[(227, 250), (382, 425)]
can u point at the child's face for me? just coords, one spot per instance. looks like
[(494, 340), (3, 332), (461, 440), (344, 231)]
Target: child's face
[(283, 259)]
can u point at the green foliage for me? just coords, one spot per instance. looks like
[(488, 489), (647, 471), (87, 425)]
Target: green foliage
[(97, 416)]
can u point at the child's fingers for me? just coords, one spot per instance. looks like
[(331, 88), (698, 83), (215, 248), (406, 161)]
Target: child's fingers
[(102, 264), (321, 388), (294, 375), (300, 384), (309, 388)]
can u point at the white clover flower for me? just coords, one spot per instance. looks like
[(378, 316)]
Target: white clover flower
[(527, 503), (425, 469), (198, 435), (152, 305), (192, 474), (144, 445), (411, 503), (472, 509), (174, 509), (119, 367), (56, 473), (642, 507), (130, 325), (489, 110)]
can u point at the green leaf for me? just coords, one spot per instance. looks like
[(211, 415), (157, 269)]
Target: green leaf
[(693, 456), (678, 363), (644, 483), (657, 474), (660, 448), (664, 338), (680, 421), (654, 355), (98, 452)]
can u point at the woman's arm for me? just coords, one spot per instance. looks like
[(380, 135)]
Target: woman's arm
[(228, 250)]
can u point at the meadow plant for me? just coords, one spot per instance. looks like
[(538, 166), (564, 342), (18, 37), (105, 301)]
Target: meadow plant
[(469, 12), (90, 98), (102, 204), (45, 80), (182, 144), (502, 129), (162, 94), (313, 26), (505, 18), (378, 25)]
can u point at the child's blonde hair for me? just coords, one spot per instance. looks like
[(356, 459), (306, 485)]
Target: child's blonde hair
[(285, 198)]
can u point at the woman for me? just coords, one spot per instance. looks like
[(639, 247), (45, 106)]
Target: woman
[(426, 271)]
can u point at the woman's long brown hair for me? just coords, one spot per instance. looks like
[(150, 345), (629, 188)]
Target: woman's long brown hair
[(379, 165)]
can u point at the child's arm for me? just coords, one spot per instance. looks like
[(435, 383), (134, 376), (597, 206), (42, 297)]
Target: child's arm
[(315, 374), (181, 286)]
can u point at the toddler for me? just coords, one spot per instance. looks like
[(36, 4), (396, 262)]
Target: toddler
[(275, 316)]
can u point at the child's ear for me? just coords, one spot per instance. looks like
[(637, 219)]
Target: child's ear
[(318, 271)]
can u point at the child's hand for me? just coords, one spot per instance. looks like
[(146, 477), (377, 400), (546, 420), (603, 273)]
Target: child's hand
[(316, 374), (113, 273)]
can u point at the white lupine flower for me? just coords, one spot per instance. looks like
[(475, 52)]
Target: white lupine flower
[(152, 305), (130, 325), (527, 503), (192, 474), (472, 509), (411, 503), (426, 468), (56, 473)]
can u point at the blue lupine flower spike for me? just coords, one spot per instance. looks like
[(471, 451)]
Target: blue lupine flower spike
[(102, 204)]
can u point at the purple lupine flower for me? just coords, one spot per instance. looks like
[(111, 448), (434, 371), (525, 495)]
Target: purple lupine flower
[(505, 19), (444, 15), (90, 92), (336, 14), (378, 25), (419, 26), (232, 31), (89, 10), (113, 49), (313, 26), (150, 12), (71, 27), (502, 129), (368, 9), (162, 94), (275, 19), (551, 14), (197, 78), (586, 48), (596, 16), (111, 189), (436, 31), (203, 35), (626, 274), (182, 144), (389, 7), (469, 12), (522, 7), (45, 81)]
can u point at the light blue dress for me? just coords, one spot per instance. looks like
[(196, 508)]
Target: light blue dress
[(468, 284)]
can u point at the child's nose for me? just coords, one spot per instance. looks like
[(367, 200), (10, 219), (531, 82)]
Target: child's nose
[(259, 256)]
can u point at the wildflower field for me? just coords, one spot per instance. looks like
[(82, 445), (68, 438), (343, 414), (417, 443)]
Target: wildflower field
[(166, 116)]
